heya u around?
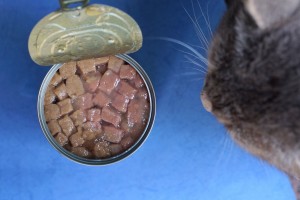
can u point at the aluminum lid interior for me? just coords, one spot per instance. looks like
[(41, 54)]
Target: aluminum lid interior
[(78, 34)]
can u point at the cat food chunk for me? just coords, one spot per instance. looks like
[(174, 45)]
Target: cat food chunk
[(127, 72), (94, 115), (101, 99), (61, 139), (78, 117), (120, 102), (67, 125), (111, 116), (83, 102), (101, 61), (68, 70), (126, 90), (49, 96), (133, 115), (92, 126), (138, 82), (126, 126), (137, 129), (127, 142), (115, 63), (61, 91), (112, 134), (52, 111), (109, 81), (136, 110), (115, 149), (101, 150), (65, 106), (74, 86), (81, 151), (89, 135), (91, 82), (96, 108), (54, 127), (86, 66), (79, 129), (101, 64), (142, 93), (56, 79), (76, 140)]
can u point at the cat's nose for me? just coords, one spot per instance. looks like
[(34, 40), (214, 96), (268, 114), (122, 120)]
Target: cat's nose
[(205, 102)]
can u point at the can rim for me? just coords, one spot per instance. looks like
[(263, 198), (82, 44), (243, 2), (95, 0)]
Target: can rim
[(106, 161)]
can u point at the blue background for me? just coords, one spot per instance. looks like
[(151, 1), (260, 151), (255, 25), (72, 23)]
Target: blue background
[(188, 154)]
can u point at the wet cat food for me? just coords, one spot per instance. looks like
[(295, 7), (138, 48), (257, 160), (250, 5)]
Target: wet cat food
[(96, 108)]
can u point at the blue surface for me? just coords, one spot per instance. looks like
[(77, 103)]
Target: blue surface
[(188, 155)]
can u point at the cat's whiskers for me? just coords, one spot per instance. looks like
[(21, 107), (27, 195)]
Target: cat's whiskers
[(264, 166), (230, 149), (190, 60), (194, 62), (194, 57), (197, 26), (199, 32), (193, 51), (195, 69), (204, 40), (202, 58), (198, 46), (195, 20), (206, 18), (223, 146), (190, 74)]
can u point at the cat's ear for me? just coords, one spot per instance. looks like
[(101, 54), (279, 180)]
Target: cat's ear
[(267, 13)]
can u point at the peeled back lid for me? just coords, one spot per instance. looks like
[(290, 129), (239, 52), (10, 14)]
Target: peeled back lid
[(90, 32)]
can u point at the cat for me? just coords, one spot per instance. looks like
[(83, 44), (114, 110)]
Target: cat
[(253, 81)]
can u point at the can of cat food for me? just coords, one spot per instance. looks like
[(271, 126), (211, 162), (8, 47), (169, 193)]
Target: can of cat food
[(110, 159), (98, 106)]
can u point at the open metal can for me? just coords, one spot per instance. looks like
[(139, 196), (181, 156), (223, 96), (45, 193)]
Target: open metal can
[(132, 149), (87, 32)]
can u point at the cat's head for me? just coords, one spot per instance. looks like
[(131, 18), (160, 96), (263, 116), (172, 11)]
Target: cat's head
[(253, 80)]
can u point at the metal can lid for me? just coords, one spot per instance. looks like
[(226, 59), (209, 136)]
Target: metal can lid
[(92, 31)]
